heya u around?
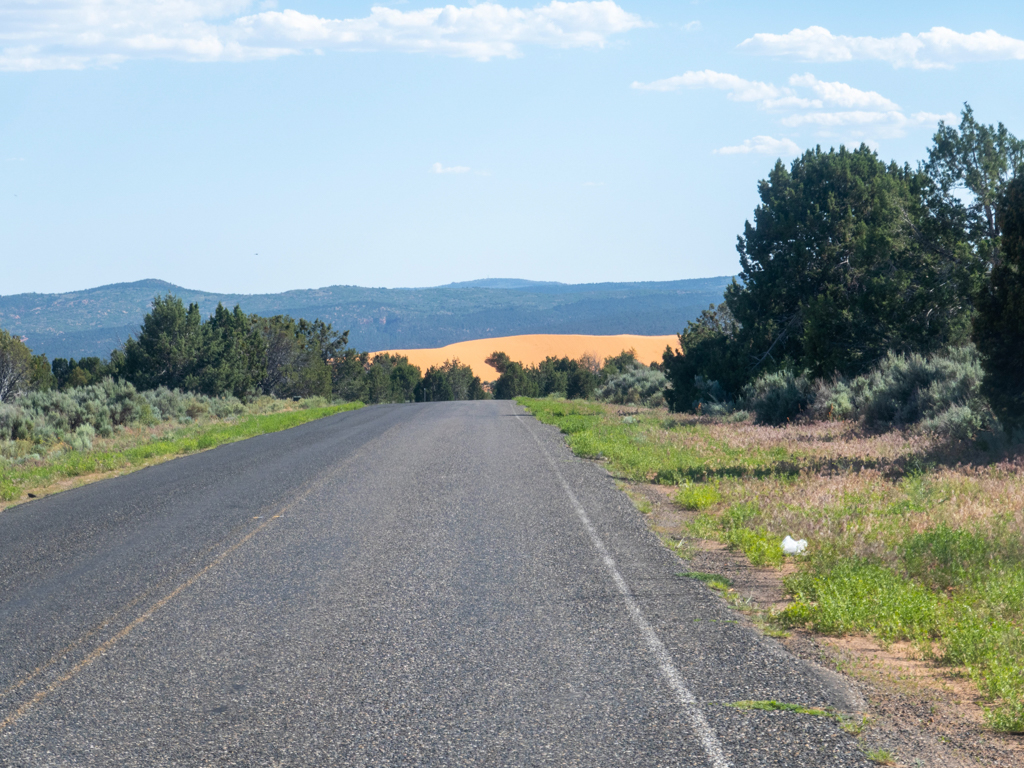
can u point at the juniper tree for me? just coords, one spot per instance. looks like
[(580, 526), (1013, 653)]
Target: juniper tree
[(999, 325)]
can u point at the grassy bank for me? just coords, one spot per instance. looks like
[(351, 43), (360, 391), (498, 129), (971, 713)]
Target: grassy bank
[(911, 537), (143, 445)]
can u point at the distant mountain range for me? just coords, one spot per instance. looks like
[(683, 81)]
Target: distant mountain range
[(96, 321)]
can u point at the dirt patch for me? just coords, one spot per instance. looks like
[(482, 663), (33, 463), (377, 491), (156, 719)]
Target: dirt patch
[(925, 714)]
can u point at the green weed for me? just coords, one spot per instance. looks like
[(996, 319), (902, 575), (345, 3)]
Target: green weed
[(698, 496), (704, 526), (760, 547), (713, 580), (779, 706), (881, 756), (860, 595)]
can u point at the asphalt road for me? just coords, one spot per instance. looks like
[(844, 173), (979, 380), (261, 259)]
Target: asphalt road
[(412, 585)]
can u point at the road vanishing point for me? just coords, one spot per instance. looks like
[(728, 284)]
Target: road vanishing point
[(439, 584)]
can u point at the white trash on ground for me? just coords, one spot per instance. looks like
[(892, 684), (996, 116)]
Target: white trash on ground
[(792, 547)]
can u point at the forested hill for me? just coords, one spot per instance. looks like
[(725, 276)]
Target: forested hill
[(95, 321)]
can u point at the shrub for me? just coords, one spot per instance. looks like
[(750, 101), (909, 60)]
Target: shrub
[(78, 414), (903, 390), (81, 440), (777, 397), (638, 385), (941, 393), (832, 400)]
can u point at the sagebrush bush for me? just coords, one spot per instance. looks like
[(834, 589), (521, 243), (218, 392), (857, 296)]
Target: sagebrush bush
[(777, 397), (832, 401), (79, 414), (904, 390), (941, 393), (638, 385)]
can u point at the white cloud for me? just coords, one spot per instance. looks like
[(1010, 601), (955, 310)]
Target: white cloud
[(868, 113), (763, 145), (769, 96), (843, 95), (75, 34), (939, 47), (738, 88), (438, 168), (890, 124), (691, 26)]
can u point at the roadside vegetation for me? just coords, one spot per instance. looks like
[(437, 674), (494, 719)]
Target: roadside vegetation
[(861, 388), (184, 383), (912, 535), (50, 441)]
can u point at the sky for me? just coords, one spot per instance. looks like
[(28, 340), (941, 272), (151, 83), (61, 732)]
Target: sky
[(254, 147)]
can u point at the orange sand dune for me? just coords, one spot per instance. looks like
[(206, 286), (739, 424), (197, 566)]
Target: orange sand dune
[(530, 350)]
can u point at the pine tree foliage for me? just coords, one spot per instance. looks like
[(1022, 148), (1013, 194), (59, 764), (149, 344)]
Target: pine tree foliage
[(710, 354), (999, 325), (176, 348), (843, 263), (449, 381), (15, 366), (974, 161)]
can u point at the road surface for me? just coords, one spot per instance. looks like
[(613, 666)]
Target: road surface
[(438, 584)]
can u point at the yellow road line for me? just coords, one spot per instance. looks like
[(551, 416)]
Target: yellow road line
[(107, 645)]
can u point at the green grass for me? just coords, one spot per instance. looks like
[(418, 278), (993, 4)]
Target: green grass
[(698, 496), (761, 548), (15, 480), (881, 756), (779, 706), (735, 527), (643, 449), (975, 624), (903, 547), (713, 580)]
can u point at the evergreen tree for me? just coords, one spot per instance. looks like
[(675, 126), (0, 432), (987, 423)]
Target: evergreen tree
[(843, 263), (449, 381), (15, 366), (978, 160), (175, 348), (391, 379), (168, 346), (709, 353), (999, 325)]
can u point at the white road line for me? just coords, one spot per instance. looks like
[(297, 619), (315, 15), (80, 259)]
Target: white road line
[(708, 740)]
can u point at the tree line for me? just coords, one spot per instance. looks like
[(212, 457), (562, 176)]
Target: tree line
[(849, 260), (234, 353), (620, 378)]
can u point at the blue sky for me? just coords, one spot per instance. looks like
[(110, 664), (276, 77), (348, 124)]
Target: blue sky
[(409, 144)]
